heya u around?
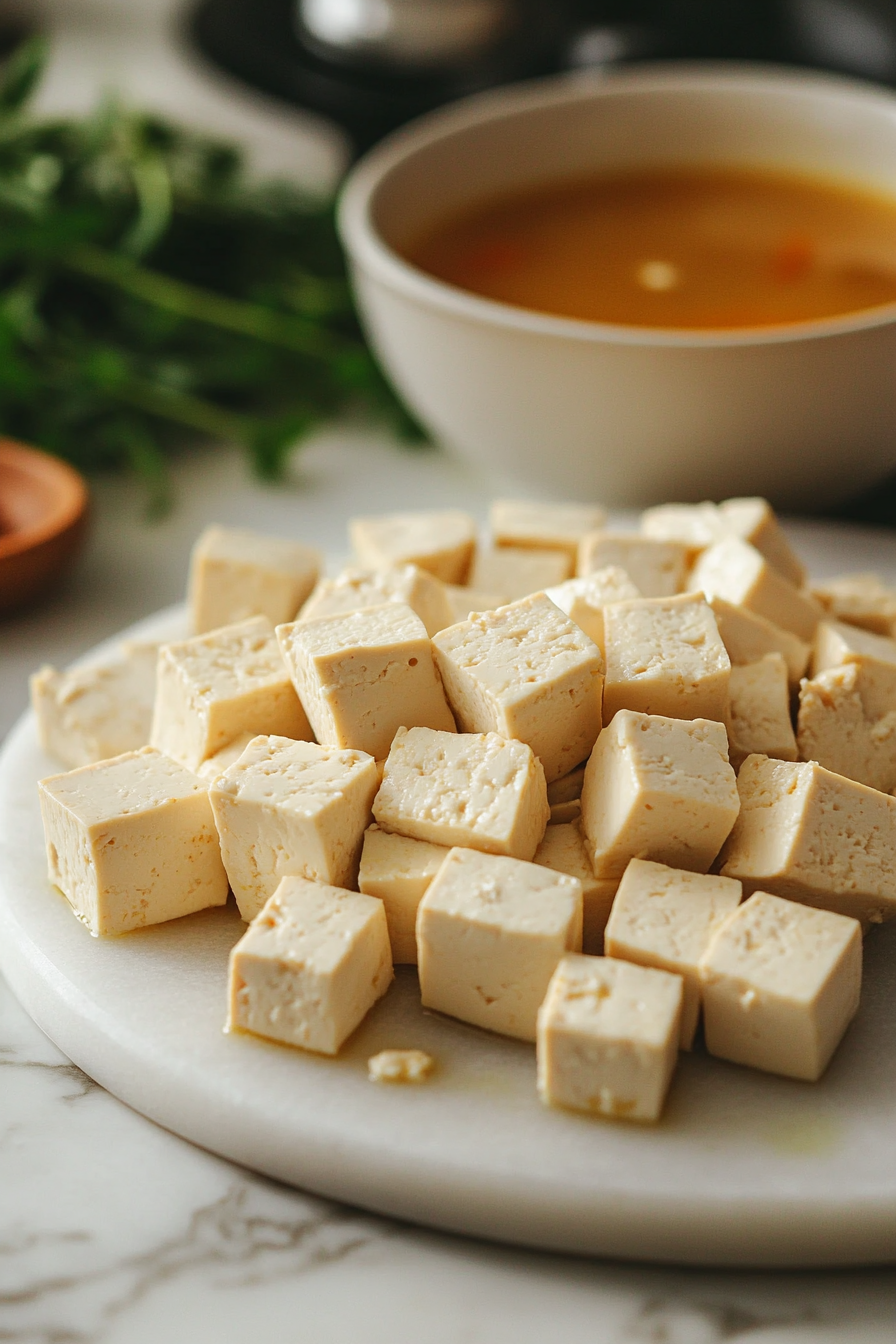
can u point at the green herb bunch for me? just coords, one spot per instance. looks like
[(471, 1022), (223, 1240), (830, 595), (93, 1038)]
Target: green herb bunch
[(149, 294)]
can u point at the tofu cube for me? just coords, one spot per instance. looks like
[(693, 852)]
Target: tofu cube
[(859, 599), (91, 713), (310, 966), (545, 526), (656, 568), (490, 933), (608, 1038), (517, 571), (781, 984), (737, 572), (474, 790), (441, 541), (760, 712), (753, 520), (399, 871), (236, 574), (212, 689), (842, 725), (217, 764), (837, 645), (695, 526), (665, 656), (583, 600), (658, 788), (748, 637), (563, 849), (667, 918), (291, 809), (131, 841), (363, 675), (809, 835), (525, 671), (464, 601), (355, 589)]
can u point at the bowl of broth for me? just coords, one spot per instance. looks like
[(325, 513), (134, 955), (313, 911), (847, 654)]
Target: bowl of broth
[(664, 282)]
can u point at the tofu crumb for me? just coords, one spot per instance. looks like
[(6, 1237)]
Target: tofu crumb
[(400, 1066)]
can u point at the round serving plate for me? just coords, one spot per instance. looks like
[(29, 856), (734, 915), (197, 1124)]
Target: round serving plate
[(743, 1169)]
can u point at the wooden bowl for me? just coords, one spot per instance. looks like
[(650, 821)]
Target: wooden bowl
[(43, 512)]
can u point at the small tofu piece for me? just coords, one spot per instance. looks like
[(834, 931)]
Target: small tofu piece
[(737, 572), (564, 812), (695, 526), (291, 809), (525, 671), (608, 1038), (841, 726), (568, 788), (517, 571), (475, 790), (760, 712), (217, 764), (490, 933), (363, 675), (563, 849), (811, 836), (310, 966), (837, 644), (441, 541), (859, 599), (583, 600), (781, 984), (665, 656), (400, 1066), (131, 841), (399, 871), (355, 589), (658, 788), (212, 689), (754, 521), (656, 568), (236, 574), (91, 713), (545, 526), (464, 601), (667, 918), (749, 637)]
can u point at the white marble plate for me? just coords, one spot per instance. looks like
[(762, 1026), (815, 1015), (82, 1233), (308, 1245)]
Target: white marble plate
[(743, 1169)]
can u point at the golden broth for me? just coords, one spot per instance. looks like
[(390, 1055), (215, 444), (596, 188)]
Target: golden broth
[(702, 248)]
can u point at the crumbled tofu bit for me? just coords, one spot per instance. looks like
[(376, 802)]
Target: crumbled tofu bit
[(842, 725), (859, 599), (131, 841), (781, 984), (362, 675), (583, 600), (658, 788), (754, 521), (310, 966), (837, 644), (760, 712), (558, 527), (464, 601), (736, 571), (217, 764), (568, 788), (354, 589), (656, 568), (235, 574), (749, 637), (517, 572), (399, 871), (400, 1066), (291, 809), (695, 526), (809, 835), (665, 656), (472, 789), (525, 671), (563, 812), (490, 932), (563, 849), (212, 689), (441, 541), (608, 1038), (91, 713), (666, 918)]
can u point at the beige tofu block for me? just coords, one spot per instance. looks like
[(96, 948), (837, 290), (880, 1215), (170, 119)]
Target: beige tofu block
[(608, 1038), (841, 726), (838, 644), (363, 675), (517, 571), (217, 764), (760, 712), (695, 526), (563, 849), (658, 788), (236, 574), (400, 1066), (441, 541), (781, 984), (753, 520), (355, 589), (546, 526), (667, 918), (809, 835), (399, 871), (737, 572), (749, 637), (131, 841), (91, 713), (583, 600), (310, 966), (656, 568), (564, 812), (665, 656), (490, 933), (464, 601), (568, 788), (474, 790), (525, 671), (213, 688), (859, 599), (291, 809)]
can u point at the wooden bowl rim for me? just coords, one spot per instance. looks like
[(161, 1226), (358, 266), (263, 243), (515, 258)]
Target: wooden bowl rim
[(66, 509)]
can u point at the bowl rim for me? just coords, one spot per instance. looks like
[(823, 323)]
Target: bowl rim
[(67, 508), (369, 251)]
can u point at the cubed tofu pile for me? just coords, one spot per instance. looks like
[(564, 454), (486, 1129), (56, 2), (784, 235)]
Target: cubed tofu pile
[(596, 785)]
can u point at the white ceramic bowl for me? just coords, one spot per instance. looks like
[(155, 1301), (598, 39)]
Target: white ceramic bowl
[(805, 414)]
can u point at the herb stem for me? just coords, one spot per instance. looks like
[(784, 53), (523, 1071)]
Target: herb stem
[(182, 408)]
